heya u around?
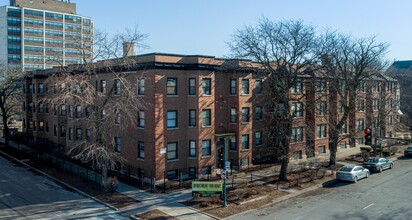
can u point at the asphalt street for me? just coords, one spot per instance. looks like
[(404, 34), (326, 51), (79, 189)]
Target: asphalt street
[(386, 195), (25, 195)]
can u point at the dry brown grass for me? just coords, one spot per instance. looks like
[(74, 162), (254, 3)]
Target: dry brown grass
[(155, 215)]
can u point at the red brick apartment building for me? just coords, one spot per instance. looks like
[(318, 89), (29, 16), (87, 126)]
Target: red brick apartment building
[(192, 100)]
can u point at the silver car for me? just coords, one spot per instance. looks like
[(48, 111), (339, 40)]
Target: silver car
[(352, 173)]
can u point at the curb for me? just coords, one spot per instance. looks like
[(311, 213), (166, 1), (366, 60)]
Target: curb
[(58, 181)]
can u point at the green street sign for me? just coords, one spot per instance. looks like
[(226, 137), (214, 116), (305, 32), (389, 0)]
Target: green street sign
[(207, 189)]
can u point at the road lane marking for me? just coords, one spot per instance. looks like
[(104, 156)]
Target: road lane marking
[(369, 206)]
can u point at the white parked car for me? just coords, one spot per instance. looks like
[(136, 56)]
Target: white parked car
[(352, 173)]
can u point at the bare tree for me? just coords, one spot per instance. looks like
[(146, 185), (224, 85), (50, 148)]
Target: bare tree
[(348, 63), (10, 96), (106, 92), (284, 50)]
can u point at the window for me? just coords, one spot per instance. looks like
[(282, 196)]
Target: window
[(322, 149), (343, 130), (172, 150), (40, 88), (88, 135), (233, 114), (297, 87), (389, 103), (63, 131), (117, 87), (192, 172), (192, 148), (297, 155), (192, 86), (140, 150), (375, 105), (206, 170), (79, 135), (70, 111), (297, 109), (341, 108), (206, 148), (171, 119), (388, 86), (172, 174), (342, 86), (55, 130), (297, 135), (258, 87), (140, 119), (117, 118), (206, 86), (206, 117), (389, 120), (192, 118), (78, 111), (360, 105), (245, 114), (245, 86), (41, 107), (70, 134), (376, 122), (171, 87), (376, 87), (233, 144), (41, 126), (361, 87), (63, 110), (320, 108), (103, 86), (140, 86), (117, 144), (258, 138), (258, 113), (47, 126), (233, 87), (321, 86), (245, 142), (321, 131), (359, 125), (88, 110)]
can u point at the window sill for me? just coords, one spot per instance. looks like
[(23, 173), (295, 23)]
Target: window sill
[(206, 95), (141, 128), (192, 158), (174, 128), (172, 96), (140, 159), (206, 126), (244, 123), (172, 160), (206, 157), (192, 126)]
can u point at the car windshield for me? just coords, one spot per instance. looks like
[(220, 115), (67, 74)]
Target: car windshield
[(346, 169), (373, 160), (409, 148)]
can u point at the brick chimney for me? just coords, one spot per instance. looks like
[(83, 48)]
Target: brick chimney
[(128, 49)]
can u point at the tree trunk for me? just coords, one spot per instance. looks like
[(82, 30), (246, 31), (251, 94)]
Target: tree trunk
[(333, 147), (284, 169)]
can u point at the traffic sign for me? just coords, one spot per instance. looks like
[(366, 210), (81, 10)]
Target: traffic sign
[(227, 165), (223, 174)]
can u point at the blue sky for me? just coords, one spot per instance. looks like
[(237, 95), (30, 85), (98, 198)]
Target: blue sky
[(202, 27)]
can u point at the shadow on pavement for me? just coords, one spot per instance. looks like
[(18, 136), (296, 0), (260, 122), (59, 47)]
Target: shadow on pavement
[(334, 183), (404, 158)]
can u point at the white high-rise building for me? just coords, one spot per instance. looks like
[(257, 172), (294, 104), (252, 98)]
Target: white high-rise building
[(41, 34)]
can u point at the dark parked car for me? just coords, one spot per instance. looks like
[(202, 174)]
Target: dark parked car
[(408, 152), (378, 164)]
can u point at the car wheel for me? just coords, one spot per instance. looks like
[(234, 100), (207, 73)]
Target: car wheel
[(391, 166), (380, 169), (367, 174), (356, 179)]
